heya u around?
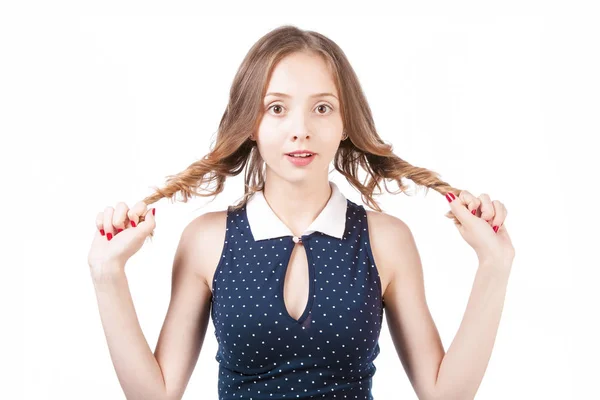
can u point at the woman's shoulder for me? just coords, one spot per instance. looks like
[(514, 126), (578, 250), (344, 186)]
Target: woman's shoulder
[(389, 237), (204, 237), (383, 225), (210, 220)]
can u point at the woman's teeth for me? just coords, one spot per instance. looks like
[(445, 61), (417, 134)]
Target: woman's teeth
[(301, 155)]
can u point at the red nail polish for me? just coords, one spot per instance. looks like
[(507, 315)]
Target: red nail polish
[(119, 230), (496, 229), (132, 223), (109, 235), (473, 212), (450, 197), (102, 232), (154, 211)]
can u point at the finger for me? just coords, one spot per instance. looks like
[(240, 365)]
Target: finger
[(458, 207), (500, 213), (108, 225), (140, 208), (473, 206), (149, 222), (487, 209), (470, 201), (120, 220), (100, 223)]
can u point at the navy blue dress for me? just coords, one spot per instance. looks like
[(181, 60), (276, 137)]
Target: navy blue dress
[(329, 351)]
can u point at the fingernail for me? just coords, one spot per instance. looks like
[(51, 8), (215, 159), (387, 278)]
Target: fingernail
[(119, 230), (473, 212), (154, 211), (450, 197), (102, 232), (496, 229), (132, 223), (109, 235)]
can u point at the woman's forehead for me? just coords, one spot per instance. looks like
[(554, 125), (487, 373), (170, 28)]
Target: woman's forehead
[(301, 75)]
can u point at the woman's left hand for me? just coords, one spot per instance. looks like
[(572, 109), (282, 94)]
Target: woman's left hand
[(479, 218)]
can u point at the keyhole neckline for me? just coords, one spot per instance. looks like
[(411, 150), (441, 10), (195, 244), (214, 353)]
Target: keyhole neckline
[(311, 278)]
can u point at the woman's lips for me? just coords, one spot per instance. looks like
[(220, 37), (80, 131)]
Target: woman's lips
[(300, 161)]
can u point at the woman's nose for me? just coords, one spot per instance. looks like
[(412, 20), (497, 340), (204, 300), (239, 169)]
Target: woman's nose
[(299, 126)]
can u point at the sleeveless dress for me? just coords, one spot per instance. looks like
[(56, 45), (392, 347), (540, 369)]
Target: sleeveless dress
[(263, 352)]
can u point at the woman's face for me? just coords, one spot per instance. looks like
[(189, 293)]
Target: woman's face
[(300, 117)]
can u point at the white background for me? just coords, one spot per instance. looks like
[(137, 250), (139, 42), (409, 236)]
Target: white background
[(100, 103)]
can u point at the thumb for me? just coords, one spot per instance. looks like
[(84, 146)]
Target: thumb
[(458, 208), (149, 222)]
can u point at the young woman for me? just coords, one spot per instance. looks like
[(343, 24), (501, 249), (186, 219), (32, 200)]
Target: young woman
[(298, 275)]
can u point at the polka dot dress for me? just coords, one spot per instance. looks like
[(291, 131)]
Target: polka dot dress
[(329, 351)]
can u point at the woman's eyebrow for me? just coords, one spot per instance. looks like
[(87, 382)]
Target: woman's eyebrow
[(288, 96)]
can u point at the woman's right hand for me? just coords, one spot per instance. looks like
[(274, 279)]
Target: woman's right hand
[(124, 235)]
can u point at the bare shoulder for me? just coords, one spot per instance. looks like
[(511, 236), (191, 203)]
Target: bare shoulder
[(409, 320), (205, 237), (184, 329), (389, 237), (382, 221)]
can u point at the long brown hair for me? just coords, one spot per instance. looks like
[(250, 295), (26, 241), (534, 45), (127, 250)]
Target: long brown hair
[(234, 152)]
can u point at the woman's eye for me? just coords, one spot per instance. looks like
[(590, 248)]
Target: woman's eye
[(280, 106), (324, 105), (275, 105)]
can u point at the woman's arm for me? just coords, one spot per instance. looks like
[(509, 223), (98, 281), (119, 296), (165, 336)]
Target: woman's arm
[(434, 373), (467, 358), (137, 369), (165, 374)]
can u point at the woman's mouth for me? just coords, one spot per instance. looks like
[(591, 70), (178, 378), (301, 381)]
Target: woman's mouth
[(300, 159)]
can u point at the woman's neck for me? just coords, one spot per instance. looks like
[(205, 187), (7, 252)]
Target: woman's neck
[(297, 204)]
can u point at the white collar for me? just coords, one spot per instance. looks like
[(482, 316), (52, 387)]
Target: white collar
[(265, 224)]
